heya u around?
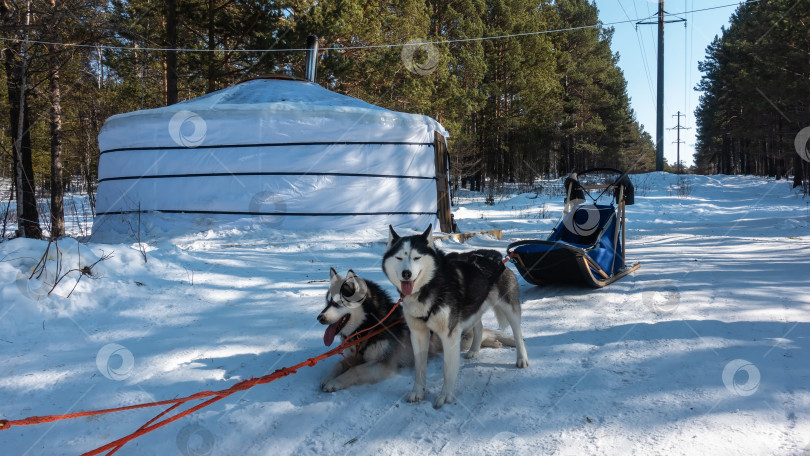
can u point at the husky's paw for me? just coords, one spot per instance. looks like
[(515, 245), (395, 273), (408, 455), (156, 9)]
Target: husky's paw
[(331, 386), (472, 354), (443, 398), (415, 396), (522, 362)]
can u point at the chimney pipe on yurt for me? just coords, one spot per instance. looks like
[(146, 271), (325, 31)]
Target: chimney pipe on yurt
[(312, 58)]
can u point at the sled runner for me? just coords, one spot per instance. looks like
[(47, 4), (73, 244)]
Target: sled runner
[(587, 246)]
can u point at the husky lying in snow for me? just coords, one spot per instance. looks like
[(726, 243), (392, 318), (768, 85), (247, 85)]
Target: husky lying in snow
[(447, 294), (354, 304)]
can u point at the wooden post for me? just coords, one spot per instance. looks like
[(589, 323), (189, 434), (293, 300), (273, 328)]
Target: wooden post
[(616, 233), (624, 242), (442, 182)]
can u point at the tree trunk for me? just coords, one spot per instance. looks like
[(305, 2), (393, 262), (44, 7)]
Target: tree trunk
[(27, 214), (798, 171), (57, 185), (211, 47), (171, 56)]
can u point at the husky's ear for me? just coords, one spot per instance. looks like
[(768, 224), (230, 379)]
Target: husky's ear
[(392, 235), (350, 274), (428, 235), (333, 275)]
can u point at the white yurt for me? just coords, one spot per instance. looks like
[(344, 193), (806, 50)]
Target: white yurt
[(272, 152)]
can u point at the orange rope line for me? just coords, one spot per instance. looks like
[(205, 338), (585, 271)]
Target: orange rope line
[(217, 395)]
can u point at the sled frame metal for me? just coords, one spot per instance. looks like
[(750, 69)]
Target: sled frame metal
[(591, 273)]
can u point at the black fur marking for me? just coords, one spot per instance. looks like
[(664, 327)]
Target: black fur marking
[(480, 269), (487, 261), (376, 306)]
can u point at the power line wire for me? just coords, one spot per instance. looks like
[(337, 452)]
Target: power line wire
[(641, 49), (378, 46)]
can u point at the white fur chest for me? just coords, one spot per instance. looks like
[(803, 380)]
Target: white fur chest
[(437, 321), (414, 307)]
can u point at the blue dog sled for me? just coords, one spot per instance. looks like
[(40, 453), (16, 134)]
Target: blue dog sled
[(587, 246)]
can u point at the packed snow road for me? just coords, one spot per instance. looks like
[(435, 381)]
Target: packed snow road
[(704, 350)]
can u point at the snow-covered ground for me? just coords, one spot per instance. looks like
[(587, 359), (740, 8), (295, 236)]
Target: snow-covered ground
[(78, 213), (704, 350)]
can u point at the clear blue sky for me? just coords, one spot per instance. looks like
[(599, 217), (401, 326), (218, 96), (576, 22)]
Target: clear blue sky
[(683, 48)]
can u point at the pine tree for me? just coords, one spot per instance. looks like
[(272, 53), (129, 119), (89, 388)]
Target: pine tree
[(751, 109)]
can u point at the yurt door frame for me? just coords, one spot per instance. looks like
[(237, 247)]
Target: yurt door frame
[(442, 182)]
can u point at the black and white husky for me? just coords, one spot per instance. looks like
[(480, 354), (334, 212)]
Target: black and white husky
[(447, 294), (354, 304)]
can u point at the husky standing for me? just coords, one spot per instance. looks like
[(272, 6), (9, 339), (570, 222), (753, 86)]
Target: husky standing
[(354, 304), (447, 294)]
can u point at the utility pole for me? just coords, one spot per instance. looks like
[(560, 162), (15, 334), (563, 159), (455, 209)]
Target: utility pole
[(659, 118), (679, 142)]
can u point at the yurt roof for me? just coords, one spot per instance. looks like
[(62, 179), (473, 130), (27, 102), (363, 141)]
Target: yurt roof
[(264, 111)]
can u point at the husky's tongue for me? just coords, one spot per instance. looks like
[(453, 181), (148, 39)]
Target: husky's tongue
[(330, 333), (407, 287)]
